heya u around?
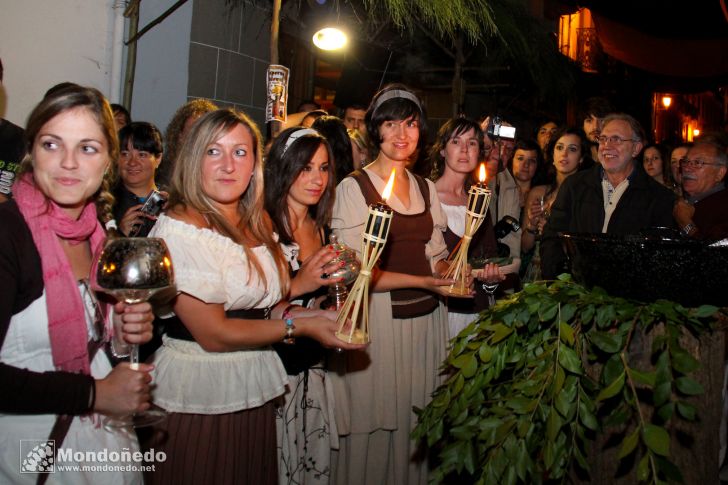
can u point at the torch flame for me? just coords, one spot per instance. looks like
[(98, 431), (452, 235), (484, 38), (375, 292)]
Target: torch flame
[(388, 188), (481, 175)]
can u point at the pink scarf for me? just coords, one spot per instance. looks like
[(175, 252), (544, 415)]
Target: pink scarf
[(66, 316)]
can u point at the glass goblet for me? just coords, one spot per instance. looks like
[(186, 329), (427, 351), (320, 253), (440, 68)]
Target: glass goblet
[(132, 269), (347, 272)]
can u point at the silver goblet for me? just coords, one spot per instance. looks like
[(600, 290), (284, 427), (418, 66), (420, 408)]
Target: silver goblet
[(338, 291), (132, 269)]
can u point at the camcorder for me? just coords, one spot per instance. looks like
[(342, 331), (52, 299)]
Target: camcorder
[(152, 206), (497, 130), (505, 226)]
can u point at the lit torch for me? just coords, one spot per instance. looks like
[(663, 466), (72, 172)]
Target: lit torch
[(373, 239), (478, 202)]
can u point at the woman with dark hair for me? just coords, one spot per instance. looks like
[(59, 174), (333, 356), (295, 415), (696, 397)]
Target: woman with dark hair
[(545, 131), (215, 373), (312, 116), (299, 195), (56, 377), (524, 165), (334, 130), (655, 158), (566, 153), (407, 319), (454, 156), (141, 154)]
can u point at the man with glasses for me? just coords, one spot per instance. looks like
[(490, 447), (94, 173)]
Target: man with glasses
[(614, 196), (703, 214)]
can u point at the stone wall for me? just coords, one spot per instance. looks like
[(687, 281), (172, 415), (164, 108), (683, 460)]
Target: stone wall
[(229, 54)]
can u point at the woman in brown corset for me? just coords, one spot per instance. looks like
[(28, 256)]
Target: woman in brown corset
[(407, 319)]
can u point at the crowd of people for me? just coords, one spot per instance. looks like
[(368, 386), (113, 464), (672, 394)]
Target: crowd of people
[(244, 357)]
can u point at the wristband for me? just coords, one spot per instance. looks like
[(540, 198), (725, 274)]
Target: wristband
[(92, 397)]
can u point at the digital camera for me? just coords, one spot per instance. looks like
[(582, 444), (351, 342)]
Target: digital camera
[(152, 206)]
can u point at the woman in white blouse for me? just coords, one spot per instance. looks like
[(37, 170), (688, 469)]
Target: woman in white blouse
[(215, 373), (454, 156)]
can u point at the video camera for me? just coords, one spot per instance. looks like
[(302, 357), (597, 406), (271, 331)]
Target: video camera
[(496, 129)]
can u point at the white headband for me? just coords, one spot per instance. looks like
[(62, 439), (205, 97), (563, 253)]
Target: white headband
[(396, 93), (296, 135)]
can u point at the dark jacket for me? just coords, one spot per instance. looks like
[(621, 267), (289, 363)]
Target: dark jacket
[(579, 207), (711, 216)]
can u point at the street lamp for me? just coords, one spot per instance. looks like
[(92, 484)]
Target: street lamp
[(666, 101), (329, 39)]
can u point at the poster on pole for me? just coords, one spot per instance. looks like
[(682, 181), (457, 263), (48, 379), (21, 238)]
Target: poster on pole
[(277, 81)]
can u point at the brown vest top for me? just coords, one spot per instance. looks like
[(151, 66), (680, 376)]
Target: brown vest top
[(405, 249)]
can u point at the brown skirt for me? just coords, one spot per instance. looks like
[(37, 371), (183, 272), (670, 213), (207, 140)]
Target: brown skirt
[(234, 448)]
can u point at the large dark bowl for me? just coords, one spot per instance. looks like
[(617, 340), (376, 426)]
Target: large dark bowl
[(647, 268)]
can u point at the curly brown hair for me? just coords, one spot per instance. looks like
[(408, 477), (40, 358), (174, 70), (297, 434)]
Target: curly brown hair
[(194, 108)]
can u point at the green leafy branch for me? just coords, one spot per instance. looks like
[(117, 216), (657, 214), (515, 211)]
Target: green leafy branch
[(542, 373)]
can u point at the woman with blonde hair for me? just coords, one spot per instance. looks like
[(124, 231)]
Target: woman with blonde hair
[(359, 148), (215, 372)]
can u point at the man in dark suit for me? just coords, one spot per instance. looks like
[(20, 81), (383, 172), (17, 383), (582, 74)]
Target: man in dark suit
[(615, 196)]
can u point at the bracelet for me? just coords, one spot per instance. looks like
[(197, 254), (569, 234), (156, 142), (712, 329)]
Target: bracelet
[(490, 289), (290, 327)]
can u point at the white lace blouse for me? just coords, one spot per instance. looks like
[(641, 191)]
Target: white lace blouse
[(214, 269)]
